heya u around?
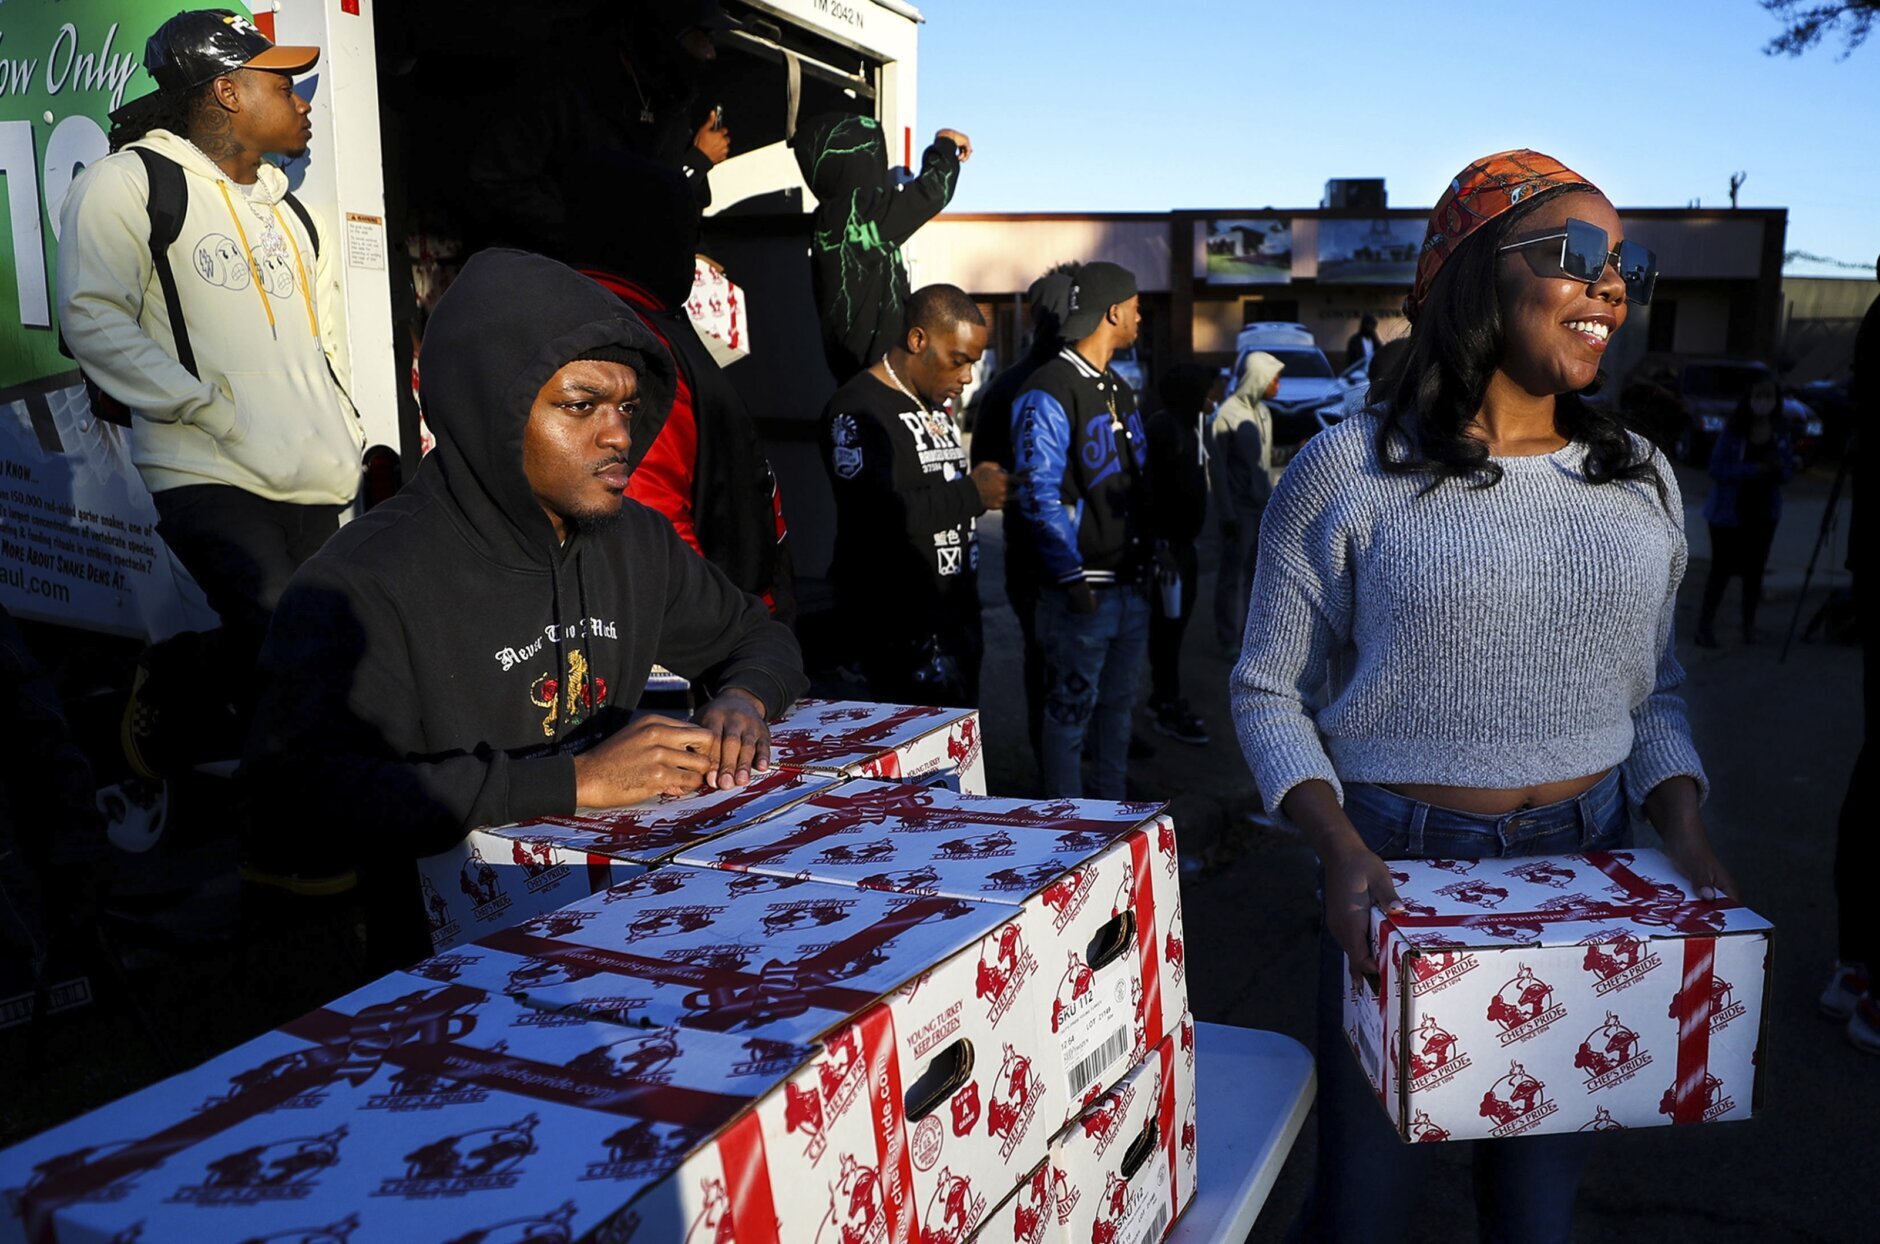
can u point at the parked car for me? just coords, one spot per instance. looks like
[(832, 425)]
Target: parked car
[(1683, 404), (1127, 363), (1307, 384)]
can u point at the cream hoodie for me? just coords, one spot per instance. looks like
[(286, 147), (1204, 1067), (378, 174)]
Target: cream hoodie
[(269, 414), (1241, 453)]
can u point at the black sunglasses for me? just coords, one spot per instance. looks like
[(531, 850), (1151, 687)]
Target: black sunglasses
[(1584, 256)]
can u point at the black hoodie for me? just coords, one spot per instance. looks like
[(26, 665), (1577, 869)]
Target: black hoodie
[(862, 218), (439, 663)]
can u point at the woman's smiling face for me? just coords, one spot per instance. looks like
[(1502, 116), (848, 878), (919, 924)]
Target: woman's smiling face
[(1555, 329)]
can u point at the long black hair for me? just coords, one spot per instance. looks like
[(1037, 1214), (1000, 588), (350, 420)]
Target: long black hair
[(159, 110), (1431, 396), (1738, 423)]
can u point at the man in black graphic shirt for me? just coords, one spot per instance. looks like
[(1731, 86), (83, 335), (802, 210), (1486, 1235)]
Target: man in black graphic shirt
[(907, 505)]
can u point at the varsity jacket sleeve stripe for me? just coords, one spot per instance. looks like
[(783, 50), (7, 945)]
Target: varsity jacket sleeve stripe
[(104, 269), (1041, 438)]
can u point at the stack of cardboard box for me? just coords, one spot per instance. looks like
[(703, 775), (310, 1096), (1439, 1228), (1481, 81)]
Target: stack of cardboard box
[(850, 1011)]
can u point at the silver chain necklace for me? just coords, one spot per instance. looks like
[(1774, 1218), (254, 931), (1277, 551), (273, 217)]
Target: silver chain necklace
[(907, 392)]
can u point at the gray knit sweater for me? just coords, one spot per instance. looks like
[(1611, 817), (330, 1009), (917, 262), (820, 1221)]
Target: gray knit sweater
[(1495, 638)]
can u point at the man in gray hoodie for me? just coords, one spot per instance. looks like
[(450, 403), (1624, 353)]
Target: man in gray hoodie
[(1240, 462)]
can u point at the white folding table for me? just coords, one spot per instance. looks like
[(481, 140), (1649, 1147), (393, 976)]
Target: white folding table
[(1255, 1089)]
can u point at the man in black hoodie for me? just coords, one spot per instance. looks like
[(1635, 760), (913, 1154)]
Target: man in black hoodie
[(862, 219), (470, 652)]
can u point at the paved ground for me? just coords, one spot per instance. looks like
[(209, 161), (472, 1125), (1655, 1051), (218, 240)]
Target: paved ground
[(1778, 739)]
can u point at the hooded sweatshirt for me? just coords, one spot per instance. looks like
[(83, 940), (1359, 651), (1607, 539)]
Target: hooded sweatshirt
[(439, 663), (1241, 456), (862, 219), (267, 411)]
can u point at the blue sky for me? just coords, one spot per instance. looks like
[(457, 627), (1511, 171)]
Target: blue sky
[(1119, 105)]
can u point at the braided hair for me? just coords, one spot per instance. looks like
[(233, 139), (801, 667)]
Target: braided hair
[(159, 110)]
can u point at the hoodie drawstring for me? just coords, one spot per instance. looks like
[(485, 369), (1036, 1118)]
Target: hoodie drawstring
[(300, 266), (254, 269)]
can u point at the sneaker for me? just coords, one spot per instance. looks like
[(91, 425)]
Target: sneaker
[(1844, 990), (1178, 722), (139, 728), (1863, 1026)]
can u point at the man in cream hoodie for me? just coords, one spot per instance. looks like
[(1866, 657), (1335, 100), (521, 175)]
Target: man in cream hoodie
[(1240, 460), (241, 427)]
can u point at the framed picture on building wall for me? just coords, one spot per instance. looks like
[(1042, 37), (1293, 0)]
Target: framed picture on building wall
[(1377, 251), (1246, 252)]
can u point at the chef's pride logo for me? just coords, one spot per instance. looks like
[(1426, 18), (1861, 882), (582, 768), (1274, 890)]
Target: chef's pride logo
[(1435, 964), (1434, 1057), (1516, 1103), (1524, 1007), (285, 1170), (1611, 1054), (1005, 963), (1617, 959), (482, 886), (478, 1160), (1719, 1001)]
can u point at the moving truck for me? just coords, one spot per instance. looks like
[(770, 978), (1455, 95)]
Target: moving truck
[(399, 90)]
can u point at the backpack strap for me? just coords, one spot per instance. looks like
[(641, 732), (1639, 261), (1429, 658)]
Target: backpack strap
[(306, 218), (169, 203)]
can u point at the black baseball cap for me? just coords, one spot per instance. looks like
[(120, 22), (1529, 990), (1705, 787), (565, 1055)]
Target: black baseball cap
[(1096, 288), (193, 47)]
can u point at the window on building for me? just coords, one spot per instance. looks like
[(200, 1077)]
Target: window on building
[(1662, 329), (1261, 309)]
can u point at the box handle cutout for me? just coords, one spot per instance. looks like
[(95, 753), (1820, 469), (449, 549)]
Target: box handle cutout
[(1111, 941), (950, 1071), (1141, 1149)]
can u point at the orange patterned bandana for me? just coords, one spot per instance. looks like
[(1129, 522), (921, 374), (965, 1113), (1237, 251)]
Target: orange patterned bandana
[(1479, 193)]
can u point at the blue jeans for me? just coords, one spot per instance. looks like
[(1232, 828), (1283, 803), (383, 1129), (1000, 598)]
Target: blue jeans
[(1368, 1178), (1093, 663)]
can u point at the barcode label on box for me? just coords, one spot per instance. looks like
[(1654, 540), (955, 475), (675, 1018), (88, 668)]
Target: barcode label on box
[(1091, 1065), (1156, 1227)]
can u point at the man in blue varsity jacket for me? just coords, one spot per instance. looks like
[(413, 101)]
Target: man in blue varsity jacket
[(1082, 458)]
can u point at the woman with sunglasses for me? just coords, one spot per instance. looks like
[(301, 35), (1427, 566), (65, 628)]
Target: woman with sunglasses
[(1459, 643), (1748, 467)]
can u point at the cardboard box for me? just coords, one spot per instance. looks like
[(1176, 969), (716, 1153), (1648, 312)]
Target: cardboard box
[(1027, 1216), (1557, 994), (502, 875), (1124, 1171), (412, 1111), (900, 742), (892, 987), (1097, 885)]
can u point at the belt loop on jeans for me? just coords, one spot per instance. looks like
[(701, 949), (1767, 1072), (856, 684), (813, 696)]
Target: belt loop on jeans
[(1419, 812)]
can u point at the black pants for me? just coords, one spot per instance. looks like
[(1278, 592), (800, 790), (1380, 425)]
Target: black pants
[(1022, 575), (1165, 633), (241, 549), (1736, 552)]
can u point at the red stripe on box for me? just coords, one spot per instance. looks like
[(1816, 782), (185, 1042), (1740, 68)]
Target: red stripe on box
[(1142, 892), (747, 1182), (1165, 1120), (888, 1113), (1692, 1007), (600, 870)]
